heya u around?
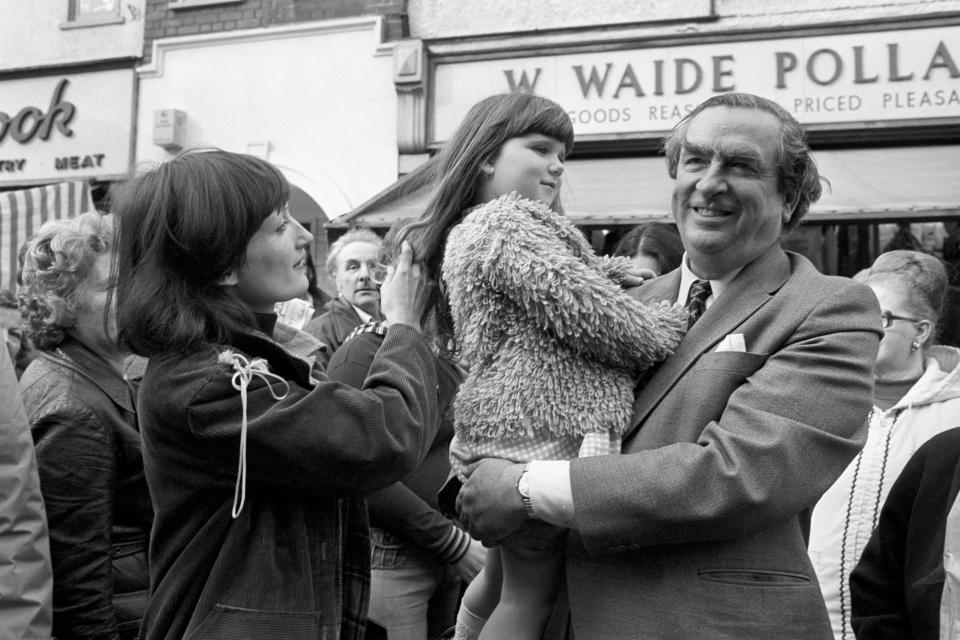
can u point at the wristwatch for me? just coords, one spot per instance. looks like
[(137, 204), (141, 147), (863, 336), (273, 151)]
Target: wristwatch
[(523, 488)]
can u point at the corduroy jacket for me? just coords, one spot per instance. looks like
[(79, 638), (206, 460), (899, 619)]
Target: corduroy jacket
[(294, 562)]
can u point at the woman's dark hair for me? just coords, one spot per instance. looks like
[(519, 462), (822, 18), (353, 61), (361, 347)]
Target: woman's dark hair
[(184, 225), (457, 172), (659, 240)]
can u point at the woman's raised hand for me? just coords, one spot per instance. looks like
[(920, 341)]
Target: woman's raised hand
[(405, 292)]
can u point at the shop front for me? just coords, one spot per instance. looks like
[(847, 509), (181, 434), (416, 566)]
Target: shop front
[(64, 136), (880, 102)]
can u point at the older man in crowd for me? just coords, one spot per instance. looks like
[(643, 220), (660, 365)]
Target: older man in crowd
[(698, 529), (355, 268)]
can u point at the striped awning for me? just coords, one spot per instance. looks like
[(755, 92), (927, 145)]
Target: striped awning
[(23, 211)]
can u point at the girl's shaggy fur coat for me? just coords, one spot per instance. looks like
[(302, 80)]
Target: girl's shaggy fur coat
[(553, 344)]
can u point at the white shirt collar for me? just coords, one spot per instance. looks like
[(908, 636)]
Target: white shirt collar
[(716, 286), (364, 316)]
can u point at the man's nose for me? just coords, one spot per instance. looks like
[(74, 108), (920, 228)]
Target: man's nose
[(713, 180)]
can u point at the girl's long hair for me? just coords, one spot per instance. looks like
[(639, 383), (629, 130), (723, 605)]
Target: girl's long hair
[(456, 176), (183, 225)]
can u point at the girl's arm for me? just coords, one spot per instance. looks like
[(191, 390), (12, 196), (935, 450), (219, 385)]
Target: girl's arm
[(506, 249)]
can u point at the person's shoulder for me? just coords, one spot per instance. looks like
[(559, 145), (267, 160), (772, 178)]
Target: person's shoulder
[(175, 374), (48, 374), (316, 326), (359, 350), (944, 444), (819, 285)]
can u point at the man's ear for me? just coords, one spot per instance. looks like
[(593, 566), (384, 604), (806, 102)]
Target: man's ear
[(229, 279), (789, 207)]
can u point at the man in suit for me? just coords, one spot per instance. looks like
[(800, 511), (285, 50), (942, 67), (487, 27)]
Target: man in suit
[(698, 529)]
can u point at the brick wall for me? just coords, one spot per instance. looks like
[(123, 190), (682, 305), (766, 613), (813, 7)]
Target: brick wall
[(163, 22)]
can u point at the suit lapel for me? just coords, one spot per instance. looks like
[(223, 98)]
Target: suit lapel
[(750, 290)]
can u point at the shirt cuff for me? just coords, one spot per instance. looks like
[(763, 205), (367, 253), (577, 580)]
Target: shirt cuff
[(550, 493)]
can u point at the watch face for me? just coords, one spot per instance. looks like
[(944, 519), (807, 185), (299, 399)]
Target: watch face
[(522, 485)]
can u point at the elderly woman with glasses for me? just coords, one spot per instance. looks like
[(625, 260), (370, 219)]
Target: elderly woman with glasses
[(916, 396)]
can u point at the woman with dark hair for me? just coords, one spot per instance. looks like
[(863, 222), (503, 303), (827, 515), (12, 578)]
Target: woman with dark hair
[(256, 462), (84, 423), (655, 246), (916, 396), (552, 343)]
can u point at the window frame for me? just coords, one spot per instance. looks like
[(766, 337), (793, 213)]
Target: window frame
[(76, 20)]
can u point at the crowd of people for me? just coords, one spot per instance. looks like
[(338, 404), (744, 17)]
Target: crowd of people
[(491, 432)]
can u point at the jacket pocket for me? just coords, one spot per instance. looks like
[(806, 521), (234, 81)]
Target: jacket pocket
[(754, 577), (229, 623), (739, 362)]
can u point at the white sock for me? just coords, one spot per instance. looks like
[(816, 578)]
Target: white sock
[(469, 624)]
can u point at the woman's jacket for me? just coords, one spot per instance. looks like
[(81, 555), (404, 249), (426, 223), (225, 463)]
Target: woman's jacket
[(257, 465), (845, 517), (84, 424)]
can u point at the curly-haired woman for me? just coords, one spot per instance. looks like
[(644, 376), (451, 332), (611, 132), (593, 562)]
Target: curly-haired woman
[(84, 425)]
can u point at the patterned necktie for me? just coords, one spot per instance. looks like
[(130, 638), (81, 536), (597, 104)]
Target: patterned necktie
[(697, 300)]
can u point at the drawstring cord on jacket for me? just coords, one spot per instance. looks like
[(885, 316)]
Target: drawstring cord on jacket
[(245, 370)]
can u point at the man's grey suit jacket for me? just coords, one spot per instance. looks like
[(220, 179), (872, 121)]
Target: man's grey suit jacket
[(698, 529)]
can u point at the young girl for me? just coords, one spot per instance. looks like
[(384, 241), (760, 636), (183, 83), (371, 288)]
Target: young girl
[(553, 344), (256, 463)]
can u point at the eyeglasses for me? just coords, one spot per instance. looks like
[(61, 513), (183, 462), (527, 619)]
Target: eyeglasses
[(887, 318), (378, 271)]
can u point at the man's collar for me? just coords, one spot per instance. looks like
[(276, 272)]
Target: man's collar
[(364, 316), (717, 286)]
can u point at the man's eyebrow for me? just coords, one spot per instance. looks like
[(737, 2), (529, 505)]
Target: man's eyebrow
[(742, 153), (696, 149)]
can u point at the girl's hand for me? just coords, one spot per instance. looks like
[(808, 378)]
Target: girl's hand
[(636, 276), (405, 291), (468, 566)]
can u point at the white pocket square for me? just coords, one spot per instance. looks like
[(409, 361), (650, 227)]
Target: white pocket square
[(732, 342)]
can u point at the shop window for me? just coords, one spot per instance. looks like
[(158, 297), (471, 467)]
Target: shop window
[(90, 13)]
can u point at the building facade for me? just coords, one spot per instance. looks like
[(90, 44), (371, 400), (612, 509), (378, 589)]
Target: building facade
[(305, 84), (875, 83), (67, 103)]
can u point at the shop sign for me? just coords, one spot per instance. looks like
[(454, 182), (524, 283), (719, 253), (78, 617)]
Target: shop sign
[(66, 127), (851, 79)]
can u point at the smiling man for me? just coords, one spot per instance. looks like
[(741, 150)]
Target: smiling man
[(698, 529), (353, 263)]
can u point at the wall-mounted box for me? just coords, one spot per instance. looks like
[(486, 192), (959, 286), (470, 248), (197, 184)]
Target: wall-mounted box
[(169, 128)]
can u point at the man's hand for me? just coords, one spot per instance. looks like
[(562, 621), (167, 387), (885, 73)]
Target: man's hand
[(489, 505), (405, 291)]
